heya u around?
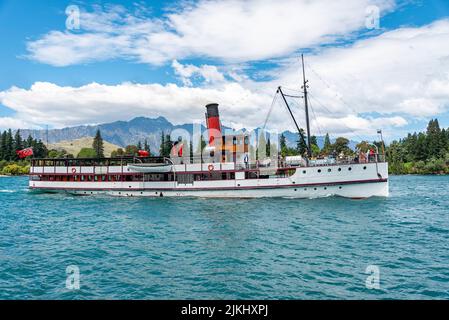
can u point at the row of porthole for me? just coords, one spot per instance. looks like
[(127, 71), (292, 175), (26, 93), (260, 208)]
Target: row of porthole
[(329, 170), (305, 189), (85, 192), (325, 188)]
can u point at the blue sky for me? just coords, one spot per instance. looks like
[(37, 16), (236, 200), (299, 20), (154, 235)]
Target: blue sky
[(169, 58)]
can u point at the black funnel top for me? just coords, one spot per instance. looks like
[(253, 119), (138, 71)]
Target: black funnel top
[(212, 110)]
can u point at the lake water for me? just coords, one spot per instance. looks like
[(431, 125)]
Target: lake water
[(165, 248)]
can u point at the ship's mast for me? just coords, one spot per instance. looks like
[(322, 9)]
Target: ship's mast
[(301, 135), (306, 103)]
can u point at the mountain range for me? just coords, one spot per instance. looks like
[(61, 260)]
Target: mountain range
[(123, 133)]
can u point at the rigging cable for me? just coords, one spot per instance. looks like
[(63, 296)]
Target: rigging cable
[(337, 96), (330, 88), (316, 119), (269, 111), (352, 131)]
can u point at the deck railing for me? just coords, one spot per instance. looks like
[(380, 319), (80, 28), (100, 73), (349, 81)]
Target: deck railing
[(267, 163)]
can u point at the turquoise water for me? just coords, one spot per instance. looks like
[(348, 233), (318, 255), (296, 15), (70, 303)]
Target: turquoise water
[(226, 249)]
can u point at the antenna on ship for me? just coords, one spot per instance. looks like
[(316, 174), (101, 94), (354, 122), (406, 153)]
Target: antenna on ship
[(306, 104)]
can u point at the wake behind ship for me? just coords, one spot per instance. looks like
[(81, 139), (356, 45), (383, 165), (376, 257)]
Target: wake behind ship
[(226, 167)]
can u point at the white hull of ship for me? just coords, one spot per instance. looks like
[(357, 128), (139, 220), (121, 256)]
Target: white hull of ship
[(351, 181), (354, 191)]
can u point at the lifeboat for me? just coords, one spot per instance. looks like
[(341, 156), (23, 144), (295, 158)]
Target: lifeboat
[(151, 167)]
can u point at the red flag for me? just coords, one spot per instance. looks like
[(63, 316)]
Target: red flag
[(143, 153), (24, 153)]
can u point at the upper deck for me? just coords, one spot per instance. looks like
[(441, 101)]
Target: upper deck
[(119, 165)]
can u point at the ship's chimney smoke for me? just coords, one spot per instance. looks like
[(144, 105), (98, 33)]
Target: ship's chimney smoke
[(213, 121)]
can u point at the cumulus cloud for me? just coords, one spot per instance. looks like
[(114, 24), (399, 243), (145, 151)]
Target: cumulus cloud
[(60, 106), (231, 30), (208, 73), (47, 103), (357, 126), (403, 71), (13, 123)]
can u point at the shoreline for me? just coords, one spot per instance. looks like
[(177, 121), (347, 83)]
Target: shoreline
[(13, 175), (420, 174)]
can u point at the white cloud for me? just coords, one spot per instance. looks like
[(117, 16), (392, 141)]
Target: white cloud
[(63, 48), (47, 103), (13, 123), (354, 126), (231, 30), (209, 73), (404, 71)]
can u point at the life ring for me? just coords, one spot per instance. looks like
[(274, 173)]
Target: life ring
[(210, 167), (73, 170)]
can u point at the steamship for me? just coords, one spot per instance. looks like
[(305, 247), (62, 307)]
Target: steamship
[(225, 167)]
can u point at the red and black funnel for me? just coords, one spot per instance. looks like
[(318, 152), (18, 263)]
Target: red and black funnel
[(212, 121)]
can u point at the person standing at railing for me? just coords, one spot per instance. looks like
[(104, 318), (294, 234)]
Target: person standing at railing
[(246, 161), (362, 157), (372, 155)]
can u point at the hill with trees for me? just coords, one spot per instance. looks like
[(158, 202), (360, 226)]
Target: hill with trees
[(421, 153), (418, 153)]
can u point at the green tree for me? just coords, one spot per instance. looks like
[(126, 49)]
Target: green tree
[(13, 169), (3, 151), (327, 147), (166, 145), (59, 154), (117, 153), (131, 150), (364, 146), (87, 153), (97, 145), (434, 140), (421, 149), (39, 149), (285, 150), (162, 146), (10, 153), (18, 143), (341, 145), (422, 152), (283, 145), (301, 147), (29, 141), (146, 146), (314, 145)]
